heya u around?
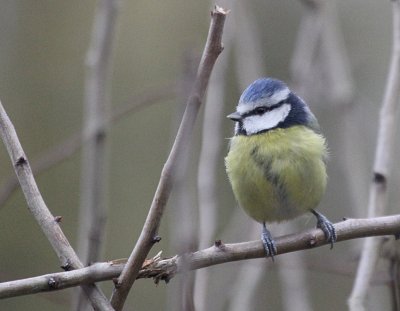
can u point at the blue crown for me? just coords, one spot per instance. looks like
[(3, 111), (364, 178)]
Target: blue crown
[(262, 88)]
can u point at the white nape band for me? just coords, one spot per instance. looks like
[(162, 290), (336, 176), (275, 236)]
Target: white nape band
[(257, 123), (279, 96), (275, 98)]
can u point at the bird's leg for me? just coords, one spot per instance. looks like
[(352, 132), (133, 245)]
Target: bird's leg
[(268, 242), (326, 226)]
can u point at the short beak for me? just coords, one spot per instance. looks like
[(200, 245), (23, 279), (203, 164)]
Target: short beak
[(235, 116)]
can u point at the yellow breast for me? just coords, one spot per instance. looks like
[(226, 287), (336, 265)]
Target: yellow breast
[(279, 174)]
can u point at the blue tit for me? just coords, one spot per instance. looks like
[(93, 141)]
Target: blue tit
[(276, 160)]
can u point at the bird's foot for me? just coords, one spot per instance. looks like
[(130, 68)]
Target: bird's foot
[(268, 242), (326, 226)]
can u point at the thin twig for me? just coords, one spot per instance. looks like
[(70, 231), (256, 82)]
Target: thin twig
[(335, 62), (146, 239), (165, 269), (244, 288), (36, 205), (318, 54), (209, 161), (382, 167), (306, 47), (209, 155), (182, 223), (93, 212), (319, 65), (249, 58), (293, 284), (94, 174)]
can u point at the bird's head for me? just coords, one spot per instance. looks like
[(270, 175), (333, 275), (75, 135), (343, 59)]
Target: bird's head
[(267, 104)]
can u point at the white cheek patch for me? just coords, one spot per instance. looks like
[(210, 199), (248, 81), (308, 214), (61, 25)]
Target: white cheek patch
[(257, 123)]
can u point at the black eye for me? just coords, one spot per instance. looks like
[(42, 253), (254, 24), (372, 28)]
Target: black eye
[(260, 110)]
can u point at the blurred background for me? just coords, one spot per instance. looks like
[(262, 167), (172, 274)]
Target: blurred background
[(335, 55)]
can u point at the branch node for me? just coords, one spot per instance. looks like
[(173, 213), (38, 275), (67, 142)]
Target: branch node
[(312, 242), (380, 178), (117, 284), (156, 239), (58, 219), (219, 10), (52, 282), (66, 266), (219, 244), (164, 275), (21, 161)]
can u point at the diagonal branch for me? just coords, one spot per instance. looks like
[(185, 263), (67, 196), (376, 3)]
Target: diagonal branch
[(36, 205), (146, 239), (165, 269)]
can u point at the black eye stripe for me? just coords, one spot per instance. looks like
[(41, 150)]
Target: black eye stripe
[(263, 109)]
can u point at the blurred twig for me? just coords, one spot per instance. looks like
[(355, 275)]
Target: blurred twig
[(62, 151), (93, 212), (249, 58), (248, 278), (94, 174), (147, 237), (319, 71), (182, 219), (391, 252), (165, 269), (293, 283), (207, 170), (49, 225), (210, 150), (319, 65), (339, 85), (305, 48), (382, 166)]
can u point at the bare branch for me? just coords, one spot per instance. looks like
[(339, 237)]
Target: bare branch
[(94, 174), (181, 222), (93, 212), (60, 280), (207, 186), (319, 69), (36, 205), (248, 278), (165, 269), (319, 65), (382, 166), (212, 49)]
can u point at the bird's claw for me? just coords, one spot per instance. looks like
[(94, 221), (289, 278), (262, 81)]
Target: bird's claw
[(269, 243), (326, 226)]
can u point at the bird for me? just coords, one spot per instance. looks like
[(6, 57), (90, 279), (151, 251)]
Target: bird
[(276, 163)]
